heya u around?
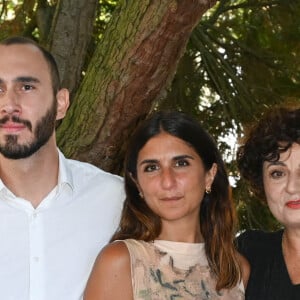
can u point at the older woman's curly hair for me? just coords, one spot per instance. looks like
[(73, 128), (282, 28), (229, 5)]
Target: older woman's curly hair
[(274, 134)]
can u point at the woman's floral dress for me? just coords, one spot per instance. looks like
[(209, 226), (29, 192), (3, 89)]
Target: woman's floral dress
[(165, 270)]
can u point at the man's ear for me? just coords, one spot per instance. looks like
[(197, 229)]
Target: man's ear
[(62, 98)]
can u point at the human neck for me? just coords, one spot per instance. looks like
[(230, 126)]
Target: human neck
[(181, 232), (31, 178), (291, 240), (291, 254)]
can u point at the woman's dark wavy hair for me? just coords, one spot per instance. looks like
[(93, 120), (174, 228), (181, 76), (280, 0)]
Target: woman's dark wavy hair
[(21, 40), (274, 134), (217, 216)]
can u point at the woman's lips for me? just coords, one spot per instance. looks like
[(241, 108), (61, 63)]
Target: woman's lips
[(295, 204), (175, 198)]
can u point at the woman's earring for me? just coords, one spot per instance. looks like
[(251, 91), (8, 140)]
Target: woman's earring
[(141, 195), (208, 190)]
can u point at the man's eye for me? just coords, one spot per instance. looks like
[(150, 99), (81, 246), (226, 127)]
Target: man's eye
[(150, 168), (27, 87), (182, 163)]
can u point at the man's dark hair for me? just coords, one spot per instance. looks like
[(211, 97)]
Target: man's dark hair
[(20, 40)]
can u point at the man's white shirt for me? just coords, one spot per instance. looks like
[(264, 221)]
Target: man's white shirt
[(47, 253)]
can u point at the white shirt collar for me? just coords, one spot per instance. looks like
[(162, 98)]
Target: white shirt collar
[(65, 179), (64, 174)]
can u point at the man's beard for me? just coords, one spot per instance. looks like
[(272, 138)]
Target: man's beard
[(43, 131)]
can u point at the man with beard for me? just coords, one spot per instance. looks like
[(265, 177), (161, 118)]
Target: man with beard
[(55, 213)]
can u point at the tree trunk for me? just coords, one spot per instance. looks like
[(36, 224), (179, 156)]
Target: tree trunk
[(71, 32), (129, 71)]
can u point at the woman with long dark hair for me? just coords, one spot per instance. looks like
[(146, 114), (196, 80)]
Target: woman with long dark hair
[(176, 233)]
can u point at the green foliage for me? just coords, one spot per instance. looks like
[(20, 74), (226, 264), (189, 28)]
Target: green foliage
[(103, 16), (252, 212), (26, 17), (242, 58)]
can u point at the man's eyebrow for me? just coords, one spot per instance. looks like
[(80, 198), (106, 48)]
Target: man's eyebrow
[(183, 156), (148, 161), (26, 79)]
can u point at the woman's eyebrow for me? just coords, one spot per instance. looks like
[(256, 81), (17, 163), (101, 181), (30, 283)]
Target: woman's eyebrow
[(275, 163), (184, 156)]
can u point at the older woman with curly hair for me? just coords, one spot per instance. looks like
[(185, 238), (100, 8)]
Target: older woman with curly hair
[(269, 160)]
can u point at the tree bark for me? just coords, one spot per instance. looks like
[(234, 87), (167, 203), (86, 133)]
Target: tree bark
[(71, 32), (128, 73)]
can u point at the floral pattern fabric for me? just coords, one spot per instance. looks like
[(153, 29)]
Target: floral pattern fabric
[(165, 270)]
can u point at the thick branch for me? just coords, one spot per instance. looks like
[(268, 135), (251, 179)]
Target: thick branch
[(129, 72)]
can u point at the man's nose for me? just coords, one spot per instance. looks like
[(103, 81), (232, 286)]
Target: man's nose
[(9, 103)]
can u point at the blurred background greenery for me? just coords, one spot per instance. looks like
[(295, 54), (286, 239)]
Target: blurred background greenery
[(241, 58)]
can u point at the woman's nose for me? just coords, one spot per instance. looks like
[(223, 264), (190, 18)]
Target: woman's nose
[(168, 178), (293, 183)]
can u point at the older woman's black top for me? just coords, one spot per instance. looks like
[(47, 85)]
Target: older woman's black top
[(269, 278)]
